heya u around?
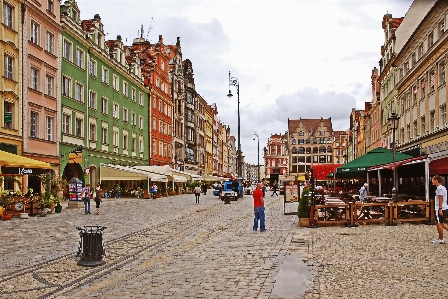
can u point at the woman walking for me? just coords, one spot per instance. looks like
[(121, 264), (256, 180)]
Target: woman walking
[(97, 198), (85, 195), (197, 193)]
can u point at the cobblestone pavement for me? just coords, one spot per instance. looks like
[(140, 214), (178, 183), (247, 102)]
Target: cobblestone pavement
[(173, 248), (163, 248)]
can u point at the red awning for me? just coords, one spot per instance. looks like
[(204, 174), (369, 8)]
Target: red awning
[(320, 171), (398, 163)]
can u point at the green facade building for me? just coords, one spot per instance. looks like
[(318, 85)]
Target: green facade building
[(104, 113)]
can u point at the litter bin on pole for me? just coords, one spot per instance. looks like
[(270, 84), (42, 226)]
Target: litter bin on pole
[(91, 247)]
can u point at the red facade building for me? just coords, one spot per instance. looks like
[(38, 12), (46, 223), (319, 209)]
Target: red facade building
[(155, 72)]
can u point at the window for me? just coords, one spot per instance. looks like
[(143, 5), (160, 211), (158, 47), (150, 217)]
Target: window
[(154, 147), (414, 124), (161, 148), (154, 104), (66, 119), (104, 135), (154, 124), (92, 132), (408, 130), (115, 83), (441, 28), (92, 99), (141, 147), (430, 39), (115, 108), (104, 105), (79, 57), (125, 141), (116, 136), (443, 116), (8, 115), (432, 121), (421, 50), (442, 73), (141, 123), (7, 15), (49, 41), (34, 124), (165, 153), (423, 85), (67, 50), (414, 95), (160, 126), (133, 144), (34, 35), (34, 78), (49, 83), (165, 129), (423, 125), (125, 89), (125, 114), (92, 68), (7, 68), (78, 124), (50, 6), (133, 119), (133, 94), (49, 128), (105, 76), (141, 99), (78, 92), (432, 82), (66, 85)]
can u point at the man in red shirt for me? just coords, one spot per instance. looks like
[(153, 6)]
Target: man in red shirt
[(258, 208)]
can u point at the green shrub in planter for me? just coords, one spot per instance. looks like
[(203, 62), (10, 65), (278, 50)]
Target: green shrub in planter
[(303, 211)]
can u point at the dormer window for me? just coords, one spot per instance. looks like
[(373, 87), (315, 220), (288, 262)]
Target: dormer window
[(75, 15), (98, 39)]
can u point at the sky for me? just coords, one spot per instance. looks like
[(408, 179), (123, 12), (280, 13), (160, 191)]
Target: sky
[(292, 58)]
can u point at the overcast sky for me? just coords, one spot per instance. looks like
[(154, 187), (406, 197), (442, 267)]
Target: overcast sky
[(297, 58)]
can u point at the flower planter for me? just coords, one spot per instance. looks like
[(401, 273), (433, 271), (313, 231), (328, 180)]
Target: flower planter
[(24, 216), (58, 209), (304, 222), (7, 217), (164, 194), (42, 213)]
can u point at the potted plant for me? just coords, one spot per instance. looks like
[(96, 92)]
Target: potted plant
[(5, 200), (303, 211), (58, 200)]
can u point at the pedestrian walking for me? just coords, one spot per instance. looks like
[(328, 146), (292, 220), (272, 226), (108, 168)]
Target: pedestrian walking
[(97, 198), (274, 188), (259, 208), (204, 188), (365, 211), (263, 189), (85, 195), (441, 208), (197, 193), (154, 191), (363, 192)]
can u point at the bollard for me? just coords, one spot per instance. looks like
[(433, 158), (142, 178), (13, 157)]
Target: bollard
[(352, 220), (91, 247), (391, 221)]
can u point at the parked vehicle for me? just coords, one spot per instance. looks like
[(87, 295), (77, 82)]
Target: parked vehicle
[(230, 190)]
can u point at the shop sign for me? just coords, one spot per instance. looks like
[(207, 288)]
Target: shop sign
[(435, 148), (22, 170)]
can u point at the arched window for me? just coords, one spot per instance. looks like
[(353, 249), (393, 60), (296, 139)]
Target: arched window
[(293, 141), (308, 150), (301, 140), (301, 150), (316, 140), (301, 133), (315, 151), (329, 149), (322, 149), (294, 150)]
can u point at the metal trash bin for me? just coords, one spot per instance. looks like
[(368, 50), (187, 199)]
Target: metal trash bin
[(91, 249)]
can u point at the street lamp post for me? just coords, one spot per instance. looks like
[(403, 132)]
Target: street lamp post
[(393, 119), (258, 156), (234, 81)]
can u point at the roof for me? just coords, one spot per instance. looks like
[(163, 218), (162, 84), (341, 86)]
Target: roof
[(378, 156), (309, 124)]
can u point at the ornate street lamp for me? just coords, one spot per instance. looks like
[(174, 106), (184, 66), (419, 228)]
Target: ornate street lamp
[(234, 81), (258, 156), (393, 120)]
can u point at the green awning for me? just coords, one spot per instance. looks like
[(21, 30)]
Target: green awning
[(359, 166)]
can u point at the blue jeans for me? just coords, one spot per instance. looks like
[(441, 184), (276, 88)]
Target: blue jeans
[(259, 215), (87, 205)]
